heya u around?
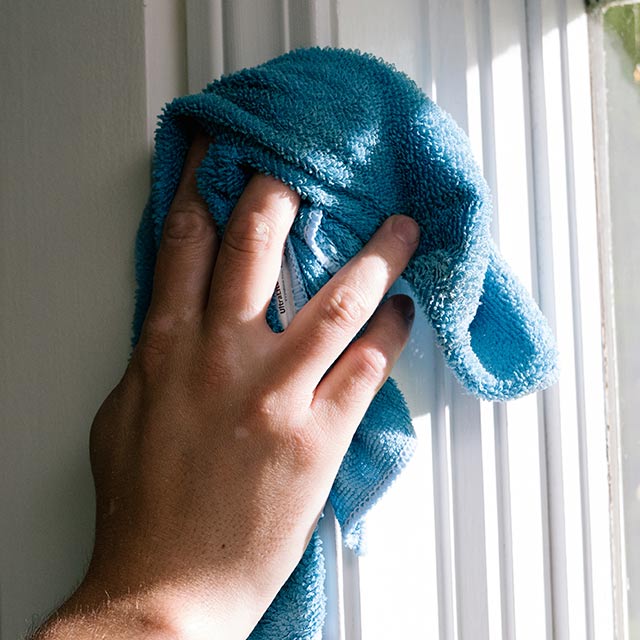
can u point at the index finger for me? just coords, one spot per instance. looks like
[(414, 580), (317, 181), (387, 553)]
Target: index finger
[(187, 249)]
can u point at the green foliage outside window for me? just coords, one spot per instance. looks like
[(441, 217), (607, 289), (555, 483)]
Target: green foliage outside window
[(624, 21)]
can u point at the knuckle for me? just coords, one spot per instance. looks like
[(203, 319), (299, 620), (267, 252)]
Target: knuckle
[(268, 408), (303, 444), (189, 223), (152, 349), (264, 407), (249, 234), (370, 366), (344, 307), (283, 425)]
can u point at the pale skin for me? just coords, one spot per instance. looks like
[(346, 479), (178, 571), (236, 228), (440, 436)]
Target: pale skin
[(214, 455)]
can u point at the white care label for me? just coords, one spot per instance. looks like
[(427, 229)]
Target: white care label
[(284, 294)]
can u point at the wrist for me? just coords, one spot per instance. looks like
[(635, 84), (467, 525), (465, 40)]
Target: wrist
[(90, 614), (165, 613)]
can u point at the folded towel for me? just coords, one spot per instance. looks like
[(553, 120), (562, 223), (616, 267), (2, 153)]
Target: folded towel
[(358, 141)]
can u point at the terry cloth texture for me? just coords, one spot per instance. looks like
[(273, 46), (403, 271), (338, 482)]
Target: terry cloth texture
[(359, 142)]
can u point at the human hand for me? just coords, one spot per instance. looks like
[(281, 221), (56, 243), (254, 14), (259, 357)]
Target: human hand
[(214, 455)]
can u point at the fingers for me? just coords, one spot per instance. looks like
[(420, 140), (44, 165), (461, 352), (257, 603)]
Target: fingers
[(324, 327), (349, 387), (187, 248), (251, 251)]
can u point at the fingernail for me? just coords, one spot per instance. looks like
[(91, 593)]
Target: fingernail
[(406, 229), (404, 305)]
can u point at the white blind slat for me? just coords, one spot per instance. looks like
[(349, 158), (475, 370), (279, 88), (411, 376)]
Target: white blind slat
[(518, 422)]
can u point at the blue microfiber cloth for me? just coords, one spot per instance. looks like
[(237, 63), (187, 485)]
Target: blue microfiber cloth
[(359, 142)]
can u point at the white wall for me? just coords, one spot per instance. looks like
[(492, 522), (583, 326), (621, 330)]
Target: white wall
[(74, 169)]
